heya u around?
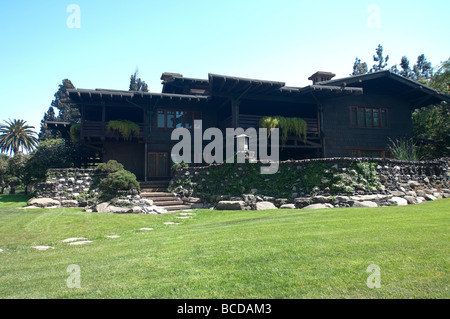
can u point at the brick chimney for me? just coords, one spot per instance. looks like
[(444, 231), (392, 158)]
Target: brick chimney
[(321, 76)]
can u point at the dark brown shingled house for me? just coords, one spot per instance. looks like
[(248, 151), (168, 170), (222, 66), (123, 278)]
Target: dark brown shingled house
[(353, 116)]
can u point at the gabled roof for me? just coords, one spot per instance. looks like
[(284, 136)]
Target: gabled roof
[(418, 95)]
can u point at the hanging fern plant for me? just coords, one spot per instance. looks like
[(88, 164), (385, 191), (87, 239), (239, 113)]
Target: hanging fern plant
[(126, 128), (288, 125), (75, 131)]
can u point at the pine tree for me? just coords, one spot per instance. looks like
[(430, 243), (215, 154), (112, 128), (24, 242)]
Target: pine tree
[(136, 84), (382, 61)]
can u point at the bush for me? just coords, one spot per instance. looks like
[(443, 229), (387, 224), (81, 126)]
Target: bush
[(404, 149), (109, 167), (118, 182)]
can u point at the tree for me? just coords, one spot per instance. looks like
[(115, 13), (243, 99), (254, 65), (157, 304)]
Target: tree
[(16, 135), (359, 67), (406, 70), (422, 70), (433, 123), (380, 59), (46, 133), (3, 172), (67, 111), (51, 153), (136, 84)]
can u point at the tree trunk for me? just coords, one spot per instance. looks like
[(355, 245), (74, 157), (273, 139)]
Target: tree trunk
[(12, 190)]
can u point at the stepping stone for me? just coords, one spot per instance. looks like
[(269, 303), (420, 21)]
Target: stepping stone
[(72, 239), (81, 242), (112, 236), (182, 217), (1, 250), (146, 228), (43, 247), (171, 223), (186, 214)]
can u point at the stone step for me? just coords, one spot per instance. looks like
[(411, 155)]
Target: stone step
[(167, 203), (151, 195), (153, 189), (177, 207)]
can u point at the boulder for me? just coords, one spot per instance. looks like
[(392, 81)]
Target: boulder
[(108, 208), (429, 197), (288, 206), (69, 203), (230, 205), (399, 201), (320, 199), (365, 204), (411, 200), (43, 202), (265, 205), (318, 206)]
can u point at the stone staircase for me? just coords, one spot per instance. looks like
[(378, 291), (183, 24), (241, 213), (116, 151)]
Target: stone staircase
[(157, 192)]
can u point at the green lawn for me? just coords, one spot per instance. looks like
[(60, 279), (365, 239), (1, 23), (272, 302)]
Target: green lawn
[(217, 254)]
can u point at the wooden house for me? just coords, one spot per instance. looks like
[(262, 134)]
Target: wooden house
[(353, 116)]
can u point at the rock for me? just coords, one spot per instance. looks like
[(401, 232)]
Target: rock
[(411, 200), (318, 206), (429, 197), (137, 210), (147, 202), (69, 203), (414, 184), (108, 208), (320, 199), (399, 201), (420, 192), (397, 193), (437, 195), (411, 193), (265, 205), (101, 208), (281, 201), (43, 202), (230, 205), (342, 198), (72, 239), (43, 247), (81, 242), (302, 201), (365, 204), (288, 206)]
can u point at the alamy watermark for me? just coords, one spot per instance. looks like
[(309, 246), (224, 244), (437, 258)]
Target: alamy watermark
[(74, 19), (74, 280), (249, 141), (374, 19), (374, 280)]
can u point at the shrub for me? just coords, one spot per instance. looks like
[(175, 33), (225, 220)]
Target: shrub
[(118, 182), (109, 167), (404, 149)]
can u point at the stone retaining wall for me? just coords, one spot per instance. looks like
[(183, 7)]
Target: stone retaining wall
[(337, 182), (67, 184)]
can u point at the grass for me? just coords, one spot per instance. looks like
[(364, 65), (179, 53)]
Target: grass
[(233, 254)]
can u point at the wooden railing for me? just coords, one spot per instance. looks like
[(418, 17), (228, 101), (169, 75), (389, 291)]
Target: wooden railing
[(96, 129)]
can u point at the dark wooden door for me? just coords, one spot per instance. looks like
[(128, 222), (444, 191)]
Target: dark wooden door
[(158, 164)]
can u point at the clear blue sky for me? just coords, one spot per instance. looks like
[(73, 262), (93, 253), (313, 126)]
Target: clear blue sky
[(282, 40)]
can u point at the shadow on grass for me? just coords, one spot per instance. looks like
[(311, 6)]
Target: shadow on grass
[(16, 198)]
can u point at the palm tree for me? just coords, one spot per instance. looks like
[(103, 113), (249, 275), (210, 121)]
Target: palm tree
[(16, 135)]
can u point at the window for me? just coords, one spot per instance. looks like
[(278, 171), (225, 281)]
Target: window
[(168, 119), (368, 117)]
